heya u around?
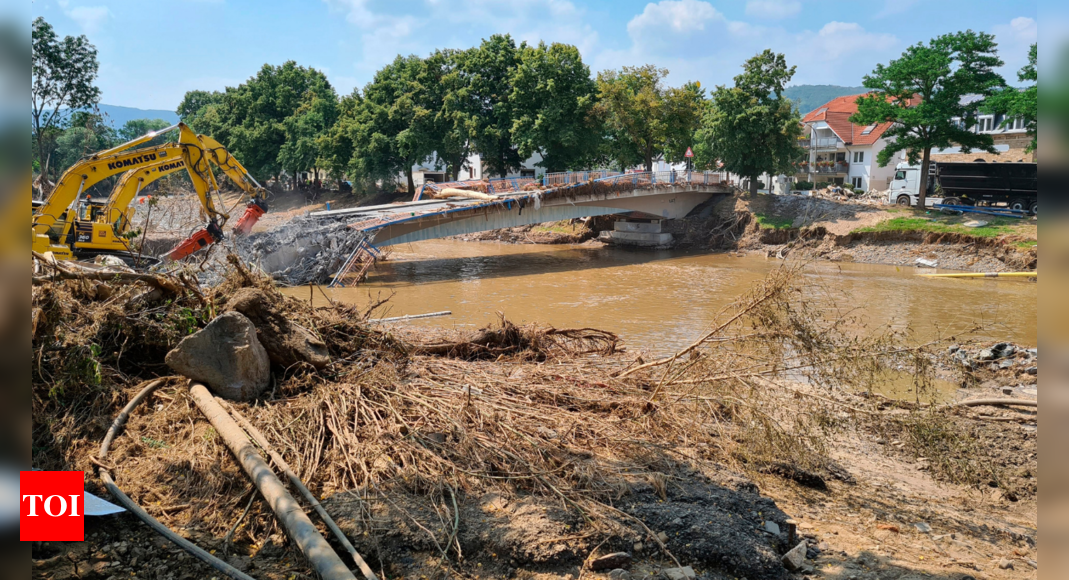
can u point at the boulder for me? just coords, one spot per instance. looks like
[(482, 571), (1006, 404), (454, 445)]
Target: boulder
[(286, 343), (684, 573), (226, 356), (795, 558)]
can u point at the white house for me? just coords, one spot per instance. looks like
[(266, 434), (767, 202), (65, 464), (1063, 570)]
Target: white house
[(472, 169), (842, 152)]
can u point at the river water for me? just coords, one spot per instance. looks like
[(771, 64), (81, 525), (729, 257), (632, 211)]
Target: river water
[(660, 301)]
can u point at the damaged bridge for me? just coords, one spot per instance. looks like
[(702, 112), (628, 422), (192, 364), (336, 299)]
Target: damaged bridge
[(448, 209)]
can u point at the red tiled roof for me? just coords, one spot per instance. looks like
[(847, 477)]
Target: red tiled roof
[(836, 114)]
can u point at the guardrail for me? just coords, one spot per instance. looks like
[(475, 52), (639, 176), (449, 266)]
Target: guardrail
[(552, 181)]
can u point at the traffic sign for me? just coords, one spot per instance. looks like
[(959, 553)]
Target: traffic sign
[(689, 153)]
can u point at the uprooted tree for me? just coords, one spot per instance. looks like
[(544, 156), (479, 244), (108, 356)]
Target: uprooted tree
[(922, 94)]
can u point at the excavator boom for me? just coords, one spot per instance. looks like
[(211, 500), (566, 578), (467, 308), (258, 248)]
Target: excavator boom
[(54, 228)]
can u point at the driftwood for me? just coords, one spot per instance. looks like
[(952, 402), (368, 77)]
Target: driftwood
[(73, 272), (454, 192), (293, 519), (281, 463)]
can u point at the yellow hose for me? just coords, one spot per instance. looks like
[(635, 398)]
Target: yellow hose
[(985, 275)]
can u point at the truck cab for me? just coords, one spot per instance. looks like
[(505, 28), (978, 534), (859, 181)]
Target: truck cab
[(905, 187)]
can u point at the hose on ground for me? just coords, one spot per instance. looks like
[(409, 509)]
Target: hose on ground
[(126, 502)]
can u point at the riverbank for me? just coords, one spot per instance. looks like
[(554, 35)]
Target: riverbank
[(834, 230), (527, 452)]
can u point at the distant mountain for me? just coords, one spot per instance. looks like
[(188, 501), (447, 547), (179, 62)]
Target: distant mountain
[(809, 97), (117, 116)]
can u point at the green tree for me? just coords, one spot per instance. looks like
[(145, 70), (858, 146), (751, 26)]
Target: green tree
[(643, 118), (552, 101), (316, 115), (488, 69), (444, 75), (335, 145), (393, 128), (84, 133), (1016, 103), (752, 128), (250, 120), (921, 94), (62, 76), (135, 128)]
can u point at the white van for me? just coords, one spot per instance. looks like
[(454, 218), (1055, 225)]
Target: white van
[(904, 187)]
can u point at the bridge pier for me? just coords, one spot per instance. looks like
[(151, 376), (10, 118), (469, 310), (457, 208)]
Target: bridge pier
[(640, 233)]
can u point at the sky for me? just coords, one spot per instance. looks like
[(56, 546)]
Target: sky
[(151, 53)]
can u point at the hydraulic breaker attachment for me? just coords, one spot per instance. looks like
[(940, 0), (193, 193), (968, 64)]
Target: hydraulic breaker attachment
[(200, 239), (253, 211)]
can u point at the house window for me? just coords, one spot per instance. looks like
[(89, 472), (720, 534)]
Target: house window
[(471, 173), (869, 129), (859, 156), (857, 182)]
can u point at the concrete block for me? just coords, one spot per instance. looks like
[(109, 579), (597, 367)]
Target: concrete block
[(642, 227), (641, 239)]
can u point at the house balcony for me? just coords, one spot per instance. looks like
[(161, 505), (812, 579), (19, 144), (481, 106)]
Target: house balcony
[(835, 169), (820, 143)]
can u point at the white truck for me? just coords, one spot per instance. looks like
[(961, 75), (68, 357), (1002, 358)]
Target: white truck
[(1011, 185)]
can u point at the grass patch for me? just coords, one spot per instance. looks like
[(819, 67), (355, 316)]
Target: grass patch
[(1026, 244), (773, 222), (555, 227), (945, 225)]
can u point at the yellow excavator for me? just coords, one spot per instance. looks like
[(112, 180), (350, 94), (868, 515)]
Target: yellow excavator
[(113, 219), (70, 228)]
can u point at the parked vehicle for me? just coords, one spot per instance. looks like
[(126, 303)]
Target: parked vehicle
[(1012, 185)]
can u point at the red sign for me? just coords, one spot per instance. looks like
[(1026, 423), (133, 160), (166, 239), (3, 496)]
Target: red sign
[(689, 153), (51, 506)]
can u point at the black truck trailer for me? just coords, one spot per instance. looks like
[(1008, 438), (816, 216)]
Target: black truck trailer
[(1013, 185)]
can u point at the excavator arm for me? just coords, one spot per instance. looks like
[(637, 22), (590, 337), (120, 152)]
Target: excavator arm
[(237, 173), (54, 216)]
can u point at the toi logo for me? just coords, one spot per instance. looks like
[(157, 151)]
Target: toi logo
[(51, 506)]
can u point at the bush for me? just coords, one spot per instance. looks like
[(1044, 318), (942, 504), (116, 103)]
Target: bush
[(803, 185), (760, 185), (822, 184), (858, 191)]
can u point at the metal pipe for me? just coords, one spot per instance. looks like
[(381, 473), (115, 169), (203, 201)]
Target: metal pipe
[(118, 495), (260, 440), (297, 524), (412, 316)]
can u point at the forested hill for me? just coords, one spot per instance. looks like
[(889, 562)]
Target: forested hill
[(809, 97), (117, 116)]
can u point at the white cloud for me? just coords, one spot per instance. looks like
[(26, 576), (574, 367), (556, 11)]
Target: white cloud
[(1014, 40), (676, 16), (773, 9), (90, 18), (837, 39)]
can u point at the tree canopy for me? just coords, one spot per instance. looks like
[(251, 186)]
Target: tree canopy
[(751, 128), (62, 77), (644, 119), (923, 94)]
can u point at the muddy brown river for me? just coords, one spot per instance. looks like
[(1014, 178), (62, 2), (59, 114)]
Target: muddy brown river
[(659, 301)]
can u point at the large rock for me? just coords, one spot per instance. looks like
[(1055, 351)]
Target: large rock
[(795, 558), (226, 356), (286, 343)]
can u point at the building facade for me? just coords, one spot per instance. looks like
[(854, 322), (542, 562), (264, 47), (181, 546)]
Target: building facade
[(841, 152)]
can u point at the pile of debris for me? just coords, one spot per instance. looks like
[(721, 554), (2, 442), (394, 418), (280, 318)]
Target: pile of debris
[(306, 250)]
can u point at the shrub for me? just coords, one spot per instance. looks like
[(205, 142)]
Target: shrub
[(858, 191), (822, 184), (803, 185)]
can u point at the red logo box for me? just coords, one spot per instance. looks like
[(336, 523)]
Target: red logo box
[(51, 506)]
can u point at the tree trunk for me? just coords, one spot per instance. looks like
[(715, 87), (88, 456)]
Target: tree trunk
[(922, 181), (753, 186), (649, 160), (411, 183)]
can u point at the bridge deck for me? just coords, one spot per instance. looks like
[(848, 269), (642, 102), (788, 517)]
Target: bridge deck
[(527, 194)]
